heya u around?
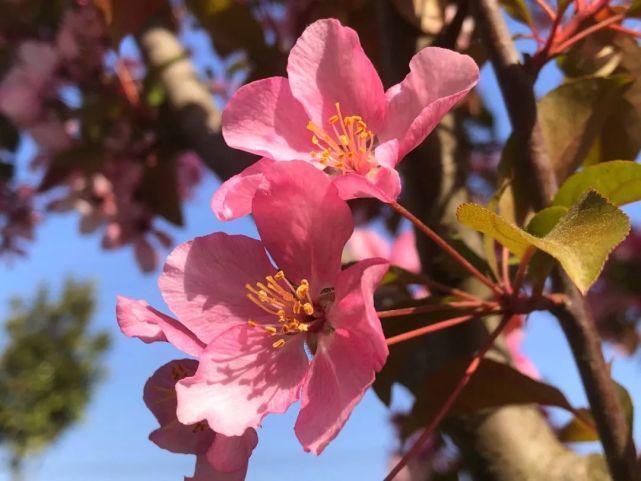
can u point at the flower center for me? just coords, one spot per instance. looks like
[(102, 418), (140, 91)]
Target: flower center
[(291, 305), (348, 148)]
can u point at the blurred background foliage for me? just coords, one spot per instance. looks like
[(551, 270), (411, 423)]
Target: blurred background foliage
[(50, 363)]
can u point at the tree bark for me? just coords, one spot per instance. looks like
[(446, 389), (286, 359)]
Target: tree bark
[(575, 318), (514, 443), (191, 103)]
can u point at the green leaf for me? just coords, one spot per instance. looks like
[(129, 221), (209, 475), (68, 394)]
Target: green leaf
[(573, 115), (545, 220), (493, 385), (602, 54), (618, 180), (581, 241), (577, 431), (517, 9)]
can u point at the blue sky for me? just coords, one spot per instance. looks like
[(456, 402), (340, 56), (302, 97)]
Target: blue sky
[(110, 443)]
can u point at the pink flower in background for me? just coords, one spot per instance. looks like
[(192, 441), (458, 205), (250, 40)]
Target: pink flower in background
[(24, 88), (300, 329), (332, 110), (514, 335), (366, 242), (17, 217), (219, 458)]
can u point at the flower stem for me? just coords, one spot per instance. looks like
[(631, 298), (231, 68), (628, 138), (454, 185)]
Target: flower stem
[(469, 372), (505, 269), (406, 336), (439, 241), (519, 277), (587, 32), (408, 311)]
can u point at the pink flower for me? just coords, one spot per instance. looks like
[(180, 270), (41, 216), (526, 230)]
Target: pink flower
[(366, 242), (332, 110), (218, 457), (23, 89), (300, 329), (514, 336)]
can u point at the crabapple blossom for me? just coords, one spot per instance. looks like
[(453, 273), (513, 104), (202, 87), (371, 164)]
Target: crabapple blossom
[(218, 457), (333, 112), (268, 334)]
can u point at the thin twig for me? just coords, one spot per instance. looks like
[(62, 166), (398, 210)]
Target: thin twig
[(627, 31), (549, 11), (519, 277), (439, 241), (505, 269), (575, 317), (469, 372), (587, 32), (409, 311), (439, 326)]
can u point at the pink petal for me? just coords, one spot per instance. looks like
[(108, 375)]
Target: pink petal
[(234, 197), (242, 378), (339, 375), (206, 472), (328, 65), (228, 454), (160, 398), (382, 183), (138, 319), (353, 307), (203, 282), (404, 253), (438, 79), (513, 341), (145, 255), (386, 154), (303, 223), (264, 118), (366, 242)]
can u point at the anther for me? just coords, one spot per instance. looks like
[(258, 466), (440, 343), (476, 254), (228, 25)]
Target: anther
[(279, 343)]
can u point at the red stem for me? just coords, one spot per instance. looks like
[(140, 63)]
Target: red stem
[(505, 269), (469, 372), (408, 311), (519, 277), (546, 8), (406, 336), (585, 33), (437, 286), (439, 241), (627, 31)]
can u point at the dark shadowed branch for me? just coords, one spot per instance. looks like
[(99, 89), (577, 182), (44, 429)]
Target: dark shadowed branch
[(575, 317)]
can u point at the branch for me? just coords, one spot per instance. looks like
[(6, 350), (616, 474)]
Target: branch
[(575, 317), (191, 103)]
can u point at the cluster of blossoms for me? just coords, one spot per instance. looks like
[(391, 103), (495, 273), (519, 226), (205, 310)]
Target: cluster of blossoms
[(18, 217), (274, 321), (615, 300), (56, 91)]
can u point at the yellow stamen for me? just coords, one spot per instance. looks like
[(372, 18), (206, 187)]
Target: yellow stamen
[(291, 305), (347, 146)]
